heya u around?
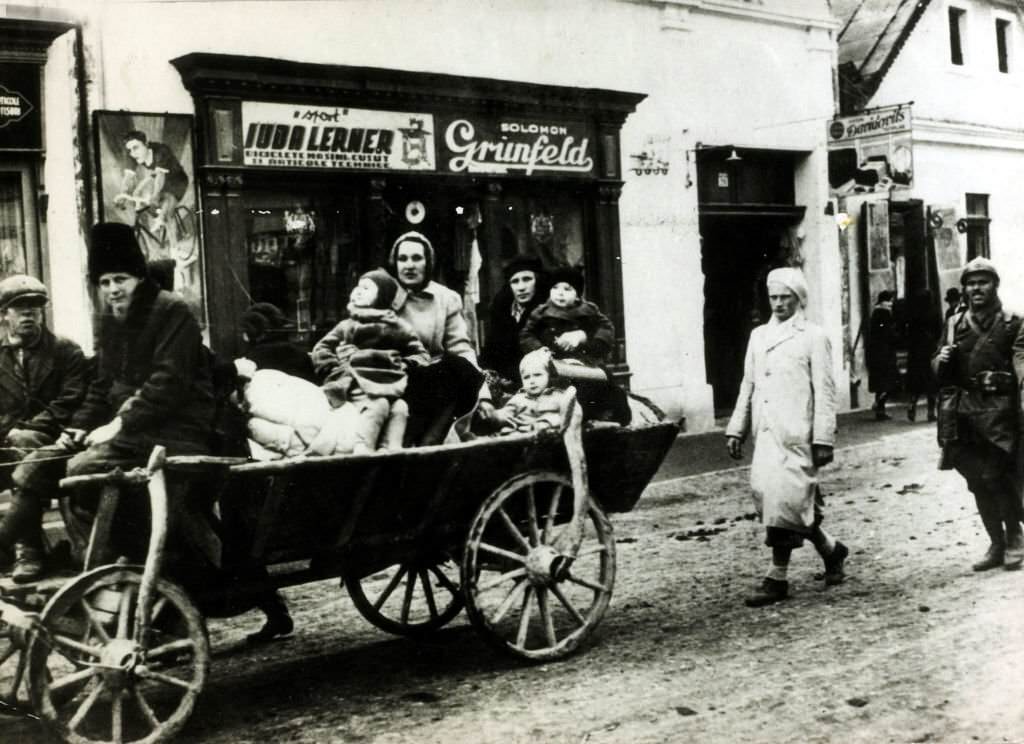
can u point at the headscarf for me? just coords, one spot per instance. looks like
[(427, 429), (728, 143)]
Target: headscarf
[(428, 253), (791, 278)]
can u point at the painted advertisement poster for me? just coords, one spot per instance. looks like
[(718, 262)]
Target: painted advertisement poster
[(146, 179), (871, 152), (473, 144), (284, 135)]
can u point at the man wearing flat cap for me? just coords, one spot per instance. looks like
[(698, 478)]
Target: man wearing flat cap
[(787, 400), (42, 381), (980, 366), (153, 382)]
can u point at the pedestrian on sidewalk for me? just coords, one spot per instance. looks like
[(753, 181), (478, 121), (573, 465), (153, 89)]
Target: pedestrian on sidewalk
[(924, 328), (980, 366), (787, 398), (883, 371)]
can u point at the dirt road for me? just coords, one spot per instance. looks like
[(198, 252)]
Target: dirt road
[(914, 647)]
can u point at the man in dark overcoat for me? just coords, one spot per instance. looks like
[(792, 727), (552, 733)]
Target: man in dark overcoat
[(42, 381), (980, 365), (153, 381)]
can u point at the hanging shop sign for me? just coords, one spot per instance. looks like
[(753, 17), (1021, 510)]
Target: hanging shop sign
[(507, 145), (281, 135), (871, 152), (20, 121)]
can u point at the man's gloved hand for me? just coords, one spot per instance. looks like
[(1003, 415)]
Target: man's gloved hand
[(821, 455)]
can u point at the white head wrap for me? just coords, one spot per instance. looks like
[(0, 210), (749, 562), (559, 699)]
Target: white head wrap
[(791, 278)]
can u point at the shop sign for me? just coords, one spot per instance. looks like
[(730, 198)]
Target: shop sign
[(20, 121), (281, 135), (513, 145), (871, 152)]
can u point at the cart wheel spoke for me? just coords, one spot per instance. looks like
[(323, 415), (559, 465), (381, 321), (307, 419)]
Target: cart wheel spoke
[(116, 720), (513, 530), (531, 511), (395, 581), (488, 548), (568, 606), (546, 617), (94, 622), (170, 648), (587, 583), (74, 678), (591, 550), (85, 706), (70, 644), (510, 599), (143, 705), (428, 593), (410, 587), (124, 610), (549, 522), (167, 679), (444, 580), (524, 617), (498, 581)]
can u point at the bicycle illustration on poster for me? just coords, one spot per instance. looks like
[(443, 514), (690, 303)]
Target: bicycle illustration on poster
[(145, 176)]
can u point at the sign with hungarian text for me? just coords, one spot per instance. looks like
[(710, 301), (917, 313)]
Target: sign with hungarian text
[(516, 145), (21, 125), (282, 135), (871, 152)]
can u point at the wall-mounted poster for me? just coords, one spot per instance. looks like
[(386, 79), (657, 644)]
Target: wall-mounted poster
[(871, 152), (146, 180)]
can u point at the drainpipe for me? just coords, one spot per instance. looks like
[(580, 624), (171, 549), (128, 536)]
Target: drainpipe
[(86, 194)]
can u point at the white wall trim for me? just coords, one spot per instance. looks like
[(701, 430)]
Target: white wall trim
[(677, 14), (967, 134)]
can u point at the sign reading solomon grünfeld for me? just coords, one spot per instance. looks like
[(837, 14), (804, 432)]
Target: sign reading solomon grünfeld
[(528, 146)]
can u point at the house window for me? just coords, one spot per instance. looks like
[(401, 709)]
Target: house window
[(1003, 44), (977, 226), (957, 28)]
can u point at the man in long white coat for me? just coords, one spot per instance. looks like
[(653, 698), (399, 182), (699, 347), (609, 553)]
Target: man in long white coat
[(787, 398)]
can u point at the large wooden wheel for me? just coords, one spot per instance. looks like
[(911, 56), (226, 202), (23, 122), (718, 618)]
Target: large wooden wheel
[(413, 598), (521, 592), (92, 678)]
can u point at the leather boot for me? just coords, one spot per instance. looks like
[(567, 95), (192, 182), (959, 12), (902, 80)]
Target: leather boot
[(770, 592), (1013, 555), (988, 510), (834, 573), (28, 564), (993, 558)]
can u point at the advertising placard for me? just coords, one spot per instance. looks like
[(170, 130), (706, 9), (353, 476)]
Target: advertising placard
[(516, 145), (284, 135), (871, 152), (21, 125)]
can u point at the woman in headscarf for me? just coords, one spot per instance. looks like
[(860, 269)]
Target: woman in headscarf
[(523, 290), (787, 399), (452, 384)]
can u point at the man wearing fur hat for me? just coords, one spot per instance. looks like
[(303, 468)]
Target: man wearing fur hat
[(980, 366), (42, 381), (787, 399), (153, 378)]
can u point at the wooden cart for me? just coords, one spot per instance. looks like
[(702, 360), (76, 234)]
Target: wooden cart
[(504, 527)]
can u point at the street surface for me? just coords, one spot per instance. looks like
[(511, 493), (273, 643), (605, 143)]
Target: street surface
[(914, 647)]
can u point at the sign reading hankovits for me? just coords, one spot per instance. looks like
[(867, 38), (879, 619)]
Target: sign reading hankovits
[(20, 122), (871, 152), (282, 135), (525, 146)]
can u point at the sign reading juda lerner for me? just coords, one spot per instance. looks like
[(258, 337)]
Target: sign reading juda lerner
[(871, 152), (518, 145), (283, 135)]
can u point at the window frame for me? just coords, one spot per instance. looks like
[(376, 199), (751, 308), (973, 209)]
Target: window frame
[(976, 225), (956, 19), (1005, 24)]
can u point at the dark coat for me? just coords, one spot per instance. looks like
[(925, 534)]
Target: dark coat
[(547, 322), (53, 385), (501, 350), (153, 372), (924, 327), (883, 373), (991, 417)]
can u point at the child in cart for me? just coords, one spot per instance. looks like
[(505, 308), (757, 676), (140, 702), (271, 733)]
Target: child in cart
[(580, 338), (537, 406), (363, 361)]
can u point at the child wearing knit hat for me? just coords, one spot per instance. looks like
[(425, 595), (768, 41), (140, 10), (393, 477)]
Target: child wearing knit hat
[(363, 359), (569, 326), (537, 406)]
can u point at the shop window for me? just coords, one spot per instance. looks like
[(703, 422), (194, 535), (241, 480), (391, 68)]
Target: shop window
[(12, 226), (1003, 50), (976, 226), (957, 35), (302, 258)]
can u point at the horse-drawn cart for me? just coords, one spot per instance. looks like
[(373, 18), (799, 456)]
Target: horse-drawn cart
[(514, 529)]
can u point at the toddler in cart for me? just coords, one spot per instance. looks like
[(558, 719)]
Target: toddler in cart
[(363, 361), (537, 406)]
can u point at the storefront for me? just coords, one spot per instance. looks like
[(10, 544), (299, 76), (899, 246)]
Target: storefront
[(307, 173)]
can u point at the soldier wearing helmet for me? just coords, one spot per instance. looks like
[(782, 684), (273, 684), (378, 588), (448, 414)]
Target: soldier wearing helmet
[(42, 382), (979, 365)]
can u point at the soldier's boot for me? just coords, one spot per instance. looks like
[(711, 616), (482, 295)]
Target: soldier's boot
[(1013, 555), (988, 510), (770, 592), (28, 564)]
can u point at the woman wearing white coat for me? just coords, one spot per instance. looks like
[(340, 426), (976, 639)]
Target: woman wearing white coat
[(787, 398)]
